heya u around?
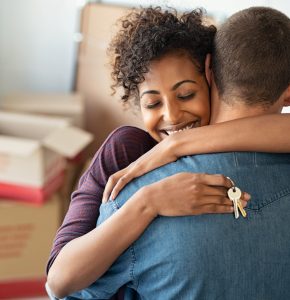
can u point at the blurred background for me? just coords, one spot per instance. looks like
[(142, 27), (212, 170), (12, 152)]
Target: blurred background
[(55, 82)]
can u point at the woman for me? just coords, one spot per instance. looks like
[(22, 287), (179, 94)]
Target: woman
[(159, 60)]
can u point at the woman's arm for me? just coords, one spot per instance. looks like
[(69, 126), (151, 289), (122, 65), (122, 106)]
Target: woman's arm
[(81, 261), (267, 133), (84, 260), (121, 148)]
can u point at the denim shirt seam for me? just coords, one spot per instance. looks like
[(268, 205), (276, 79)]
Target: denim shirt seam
[(272, 199), (235, 160), (132, 268)]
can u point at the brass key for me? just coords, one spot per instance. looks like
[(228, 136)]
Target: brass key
[(240, 206)]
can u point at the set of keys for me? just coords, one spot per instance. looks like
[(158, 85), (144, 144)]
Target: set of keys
[(235, 195)]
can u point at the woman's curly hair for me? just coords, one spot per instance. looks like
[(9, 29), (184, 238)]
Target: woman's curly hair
[(147, 35)]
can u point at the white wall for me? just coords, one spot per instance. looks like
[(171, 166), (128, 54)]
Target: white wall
[(37, 51)]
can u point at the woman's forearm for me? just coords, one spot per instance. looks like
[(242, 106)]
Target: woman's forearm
[(85, 259), (267, 133)]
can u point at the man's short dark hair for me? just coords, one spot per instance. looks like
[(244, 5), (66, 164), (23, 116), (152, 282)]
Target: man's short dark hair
[(251, 57)]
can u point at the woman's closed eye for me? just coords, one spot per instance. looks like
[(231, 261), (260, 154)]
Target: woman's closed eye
[(151, 105), (187, 96)]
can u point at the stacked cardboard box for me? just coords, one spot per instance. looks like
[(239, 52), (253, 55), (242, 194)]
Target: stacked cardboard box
[(71, 108), (33, 152), (39, 163)]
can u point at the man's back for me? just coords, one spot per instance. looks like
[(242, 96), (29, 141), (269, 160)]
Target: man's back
[(212, 256)]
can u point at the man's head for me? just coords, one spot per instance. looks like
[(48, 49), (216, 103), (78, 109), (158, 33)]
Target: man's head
[(251, 57)]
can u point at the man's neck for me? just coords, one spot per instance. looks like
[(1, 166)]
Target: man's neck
[(222, 112)]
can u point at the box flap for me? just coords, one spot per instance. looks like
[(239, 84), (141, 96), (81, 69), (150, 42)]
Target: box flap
[(17, 146), (68, 141)]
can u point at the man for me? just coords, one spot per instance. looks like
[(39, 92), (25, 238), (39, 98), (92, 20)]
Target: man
[(218, 256)]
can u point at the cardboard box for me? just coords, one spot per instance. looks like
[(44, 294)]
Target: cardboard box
[(104, 111), (26, 234), (70, 106), (33, 149)]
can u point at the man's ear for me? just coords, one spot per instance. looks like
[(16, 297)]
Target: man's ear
[(287, 97), (208, 72)]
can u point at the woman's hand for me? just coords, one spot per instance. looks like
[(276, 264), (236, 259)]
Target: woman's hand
[(161, 154), (190, 194)]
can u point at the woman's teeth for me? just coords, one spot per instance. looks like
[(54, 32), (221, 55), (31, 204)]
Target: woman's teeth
[(169, 132)]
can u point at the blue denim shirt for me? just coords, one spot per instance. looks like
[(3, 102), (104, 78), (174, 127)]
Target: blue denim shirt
[(210, 256)]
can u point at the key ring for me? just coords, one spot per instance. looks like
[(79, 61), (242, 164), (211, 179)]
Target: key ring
[(233, 184)]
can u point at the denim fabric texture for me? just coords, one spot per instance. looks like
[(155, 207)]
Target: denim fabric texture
[(216, 256)]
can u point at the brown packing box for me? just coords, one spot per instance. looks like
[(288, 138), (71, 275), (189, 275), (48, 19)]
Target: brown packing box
[(26, 235), (70, 106), (104, 112)]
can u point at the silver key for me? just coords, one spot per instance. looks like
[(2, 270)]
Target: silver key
[(235, 194)]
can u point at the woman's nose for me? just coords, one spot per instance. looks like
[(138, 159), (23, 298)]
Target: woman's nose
[(172, 113)]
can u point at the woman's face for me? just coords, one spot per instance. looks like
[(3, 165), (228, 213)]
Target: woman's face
[(174, 96)]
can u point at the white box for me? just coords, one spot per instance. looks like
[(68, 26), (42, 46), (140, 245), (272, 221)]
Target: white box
[(33, 148), (62, 105)]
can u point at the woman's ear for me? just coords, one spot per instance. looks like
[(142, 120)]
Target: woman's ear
[(208, 72)]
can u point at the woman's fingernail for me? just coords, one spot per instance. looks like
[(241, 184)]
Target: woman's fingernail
[(244, 203), (247, 196)]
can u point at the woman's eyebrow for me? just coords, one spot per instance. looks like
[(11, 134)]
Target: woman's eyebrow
[(181, 82), (155, 92)]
